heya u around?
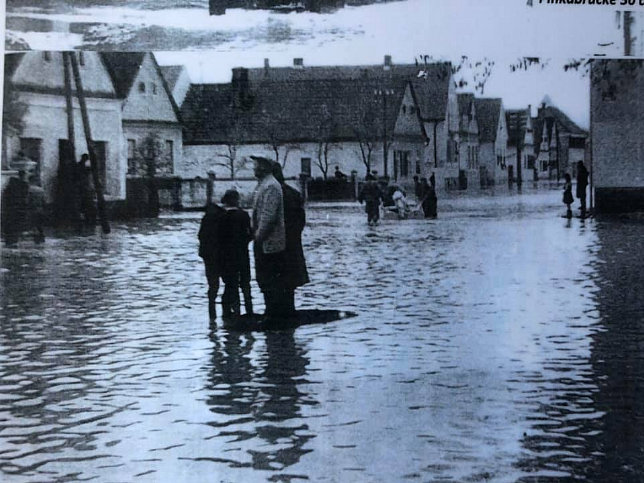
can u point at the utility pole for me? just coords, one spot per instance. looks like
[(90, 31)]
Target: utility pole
[(385, 143), (628, 38), (90, 145), (69, 160)]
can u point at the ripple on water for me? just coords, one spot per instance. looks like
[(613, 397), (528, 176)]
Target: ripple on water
[(480, 352)]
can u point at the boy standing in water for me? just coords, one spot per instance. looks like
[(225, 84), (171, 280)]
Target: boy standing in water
[(235, 234)]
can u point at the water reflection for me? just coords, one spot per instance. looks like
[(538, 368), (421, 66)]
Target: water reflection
[(259, 399), (618, 353), (500, 342)]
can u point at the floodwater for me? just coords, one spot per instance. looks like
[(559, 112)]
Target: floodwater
[(500, 342)]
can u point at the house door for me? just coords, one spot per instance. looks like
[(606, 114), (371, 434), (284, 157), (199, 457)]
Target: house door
[(32, 149), (100, 150)]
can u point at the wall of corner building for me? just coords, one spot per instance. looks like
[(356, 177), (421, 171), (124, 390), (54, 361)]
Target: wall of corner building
[(617, 153), (46, 120)]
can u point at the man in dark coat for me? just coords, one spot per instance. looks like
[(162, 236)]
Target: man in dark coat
[(295, 272), (371, 195), (582, 182), (86, 190), (209, 251), (15, 207)]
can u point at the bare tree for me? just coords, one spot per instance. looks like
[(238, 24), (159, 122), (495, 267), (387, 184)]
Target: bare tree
[(230, 159), (279, 144), (366, 133), (325, 142)]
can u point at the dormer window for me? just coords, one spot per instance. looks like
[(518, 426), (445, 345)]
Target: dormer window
[(141, 86)]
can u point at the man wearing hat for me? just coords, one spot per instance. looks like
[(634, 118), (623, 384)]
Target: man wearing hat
[(270, 239)]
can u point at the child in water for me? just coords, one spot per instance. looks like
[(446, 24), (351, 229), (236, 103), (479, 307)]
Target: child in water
[(235, 234), (567, 195)]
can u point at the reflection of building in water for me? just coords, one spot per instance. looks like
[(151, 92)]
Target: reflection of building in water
[(617, 356), (261, 394), (589, 418), (617, 124)]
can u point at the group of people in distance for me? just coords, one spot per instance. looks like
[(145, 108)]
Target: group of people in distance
[(276, 229), (395, 198)]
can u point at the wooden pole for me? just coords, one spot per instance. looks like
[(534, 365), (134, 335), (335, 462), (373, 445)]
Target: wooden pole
[(90, 145), (70, 164)]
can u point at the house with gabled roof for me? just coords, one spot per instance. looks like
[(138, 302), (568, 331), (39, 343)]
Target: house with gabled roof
[(311, 119), (467, 142), (37, 81), (521, 143), (560, 143), (493, 141), (422, 127), (178, 80), (150, 116)]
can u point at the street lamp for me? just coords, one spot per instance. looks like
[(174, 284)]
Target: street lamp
[(383, 93)]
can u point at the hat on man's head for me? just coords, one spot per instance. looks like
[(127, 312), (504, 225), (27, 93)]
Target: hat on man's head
[(262, 160)]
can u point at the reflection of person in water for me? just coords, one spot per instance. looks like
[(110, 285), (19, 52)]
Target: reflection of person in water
[(285, 365), (233, 369)]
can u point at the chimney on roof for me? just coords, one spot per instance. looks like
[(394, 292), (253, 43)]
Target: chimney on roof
[(240, 86), (298, 62), (387, 65)]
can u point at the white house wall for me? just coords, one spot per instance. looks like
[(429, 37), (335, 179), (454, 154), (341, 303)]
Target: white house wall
[(153, 104), (198, 160), (166, 132), (35, 70), (46, 119)]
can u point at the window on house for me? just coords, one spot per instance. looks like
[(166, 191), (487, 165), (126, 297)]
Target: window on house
[(141, 86), (46, 55), (131, 155), (154, 88), (81, 58), (305, 166), (100, 149), (169, 149), (404, 164), (404, 109)]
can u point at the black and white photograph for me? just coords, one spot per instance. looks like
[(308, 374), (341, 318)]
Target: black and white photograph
[(386, 241), (462, 26)]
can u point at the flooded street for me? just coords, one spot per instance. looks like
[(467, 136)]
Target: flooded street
[(500, 342)]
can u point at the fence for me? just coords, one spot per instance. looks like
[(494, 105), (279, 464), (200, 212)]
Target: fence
[(333, 189)]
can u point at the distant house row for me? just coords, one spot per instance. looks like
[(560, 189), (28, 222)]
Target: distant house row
[(400, 121)]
